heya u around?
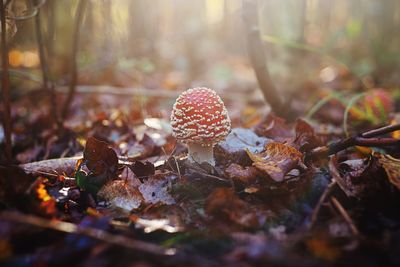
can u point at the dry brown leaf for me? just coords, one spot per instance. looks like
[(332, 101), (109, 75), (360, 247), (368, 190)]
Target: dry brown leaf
[(305, 138), (392, 168), (277, 160), (243, 174), (122, 194), (275, 128), (224, 203)]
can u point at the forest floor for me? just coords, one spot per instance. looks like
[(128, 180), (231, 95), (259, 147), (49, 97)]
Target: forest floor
[(113, 187)]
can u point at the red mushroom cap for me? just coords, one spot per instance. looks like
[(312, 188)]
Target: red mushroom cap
[(199, 116)]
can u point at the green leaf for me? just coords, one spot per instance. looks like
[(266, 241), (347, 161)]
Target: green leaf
[(89, 183)]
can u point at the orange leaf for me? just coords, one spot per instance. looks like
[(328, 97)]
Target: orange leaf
[(277, 160)]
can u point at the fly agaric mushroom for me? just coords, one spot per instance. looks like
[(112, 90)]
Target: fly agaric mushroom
[(199, 119)]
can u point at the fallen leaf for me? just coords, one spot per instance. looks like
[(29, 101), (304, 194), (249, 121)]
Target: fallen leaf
[(99, 156), (233, 148), (141, 169), (275, 128), (276, 160), (29, 154), (392, 168), (357, 177), (47, 204), (130, 193), (122, 194), (224, 203), (245, 175), (155, 189), (305, 138), (101, 162)]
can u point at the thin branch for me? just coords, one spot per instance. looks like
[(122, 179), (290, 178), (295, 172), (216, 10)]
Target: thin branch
[(5, 84), (345, 216), (382, 130), (49, 87), (259, 61), (97, 234), (325, 194), (80, 12), (367, 139)]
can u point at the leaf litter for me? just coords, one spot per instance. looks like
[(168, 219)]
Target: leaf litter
[(253, 208)]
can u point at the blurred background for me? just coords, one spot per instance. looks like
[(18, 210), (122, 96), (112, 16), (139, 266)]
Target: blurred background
[(177, 43)]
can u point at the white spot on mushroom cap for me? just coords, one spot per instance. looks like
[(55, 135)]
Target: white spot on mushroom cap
[(200, 116)]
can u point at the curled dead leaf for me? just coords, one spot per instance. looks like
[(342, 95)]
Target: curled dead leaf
[(392, 168), (305, 138), (276, 160), (357, 177)]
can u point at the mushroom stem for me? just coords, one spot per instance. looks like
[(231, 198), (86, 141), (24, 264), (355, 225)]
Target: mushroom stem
[(201, 153)]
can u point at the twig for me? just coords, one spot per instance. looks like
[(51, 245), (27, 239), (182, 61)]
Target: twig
[(5, 84), (80, 12), (100, 235), (258, 60), (382, 130), (327, 191), (45, 70), (345, 216), (367, 139)]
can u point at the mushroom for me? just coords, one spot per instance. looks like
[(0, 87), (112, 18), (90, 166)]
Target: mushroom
[(199, 119)]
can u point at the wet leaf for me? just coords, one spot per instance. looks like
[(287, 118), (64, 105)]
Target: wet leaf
[(276, 160)]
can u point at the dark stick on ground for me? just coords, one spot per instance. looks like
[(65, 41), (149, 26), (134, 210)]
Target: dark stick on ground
[(48, 86), (325, 194), (258, 60), (100, 235), (346, 216), (5, 85), (367, 139), (80, 12)]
